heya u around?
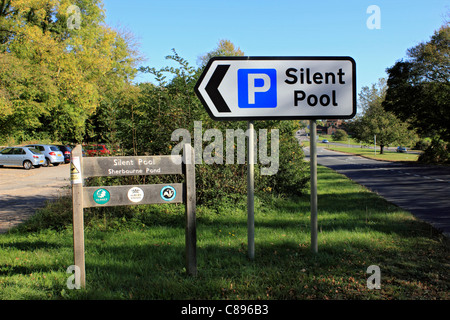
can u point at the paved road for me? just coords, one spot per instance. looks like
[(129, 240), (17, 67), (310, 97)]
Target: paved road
[(422, 190), (23, 191)]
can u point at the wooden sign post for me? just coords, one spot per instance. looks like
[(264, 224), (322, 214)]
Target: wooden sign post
[(104, 196), (77, 203)]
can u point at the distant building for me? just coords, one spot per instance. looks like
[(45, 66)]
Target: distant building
[(333, 125), (330, 126)]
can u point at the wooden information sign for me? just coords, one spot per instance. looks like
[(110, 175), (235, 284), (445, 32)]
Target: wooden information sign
[(106, 196)]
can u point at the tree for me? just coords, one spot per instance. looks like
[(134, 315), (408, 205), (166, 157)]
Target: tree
[(225, 48), (340, 135), (419, 87), (375, 121), (171, 104), (54, 77)]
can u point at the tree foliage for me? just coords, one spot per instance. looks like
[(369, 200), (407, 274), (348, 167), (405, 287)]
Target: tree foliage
[(419, 92), (53, 77), (73, 84), (171, 104), (419, 87), (340, 135), (225, 48), (375, 121)]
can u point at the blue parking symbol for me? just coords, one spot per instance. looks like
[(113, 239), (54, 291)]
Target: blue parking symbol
[(257, 88)]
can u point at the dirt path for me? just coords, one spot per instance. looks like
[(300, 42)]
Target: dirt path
[(24, 191)]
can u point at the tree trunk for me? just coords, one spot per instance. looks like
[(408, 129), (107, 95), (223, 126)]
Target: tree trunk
[(381, 148)]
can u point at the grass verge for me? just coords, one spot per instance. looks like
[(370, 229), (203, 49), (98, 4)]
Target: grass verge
[(139, 254), (368, 153)]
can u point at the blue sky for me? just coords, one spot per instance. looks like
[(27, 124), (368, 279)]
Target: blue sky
[(280, 28)]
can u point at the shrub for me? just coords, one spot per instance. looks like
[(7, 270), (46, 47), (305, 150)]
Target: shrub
[(340, 135), (437, 152), (422, 145), (156, 111)]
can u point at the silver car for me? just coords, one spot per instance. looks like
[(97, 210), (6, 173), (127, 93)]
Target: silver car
[(53, 155), (21, 156)]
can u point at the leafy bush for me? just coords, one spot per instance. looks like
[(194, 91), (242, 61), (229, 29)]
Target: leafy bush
[(148, 118), (437, 152), (340, 135), (421, 145)]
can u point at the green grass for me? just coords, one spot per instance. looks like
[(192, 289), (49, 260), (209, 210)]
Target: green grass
[(140, 254), (369, 153), (329, 137)]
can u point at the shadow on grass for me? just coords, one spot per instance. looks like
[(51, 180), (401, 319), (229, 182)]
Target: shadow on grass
[(8, 270), (282, 270), (33, 245)]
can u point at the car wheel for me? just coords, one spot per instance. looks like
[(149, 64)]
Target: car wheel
[(55, 164), (27, 165), (46, 162)]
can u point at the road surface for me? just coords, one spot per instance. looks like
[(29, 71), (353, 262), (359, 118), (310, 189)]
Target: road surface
[(420, 189), (24, 191)]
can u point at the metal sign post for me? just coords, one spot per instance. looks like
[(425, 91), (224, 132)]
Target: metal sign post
[(313, 169), (250, 192), (375, 144)]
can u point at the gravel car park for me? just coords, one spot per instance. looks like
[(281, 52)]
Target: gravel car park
[(25, 157)]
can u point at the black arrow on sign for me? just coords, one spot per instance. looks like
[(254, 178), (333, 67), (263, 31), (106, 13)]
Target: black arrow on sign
[(212, 88)]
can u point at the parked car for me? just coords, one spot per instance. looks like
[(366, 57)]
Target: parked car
[(67, 151), (53, 155), (325, 141), (21, 156), (401, 149), (96, 150)]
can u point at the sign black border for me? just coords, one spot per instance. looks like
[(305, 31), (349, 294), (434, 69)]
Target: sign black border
[(208, 65)]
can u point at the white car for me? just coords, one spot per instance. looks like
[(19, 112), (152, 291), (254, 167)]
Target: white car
[(53, 155), (21, 156)]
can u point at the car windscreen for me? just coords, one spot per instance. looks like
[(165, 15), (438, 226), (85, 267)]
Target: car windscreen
[(54, 148)]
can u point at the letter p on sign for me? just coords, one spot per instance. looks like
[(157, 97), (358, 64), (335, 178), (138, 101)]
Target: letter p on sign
[(257, 88)]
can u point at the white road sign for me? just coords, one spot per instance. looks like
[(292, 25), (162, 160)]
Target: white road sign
[(247, 88)]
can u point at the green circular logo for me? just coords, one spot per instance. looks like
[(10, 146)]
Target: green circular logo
[(101, 196)]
